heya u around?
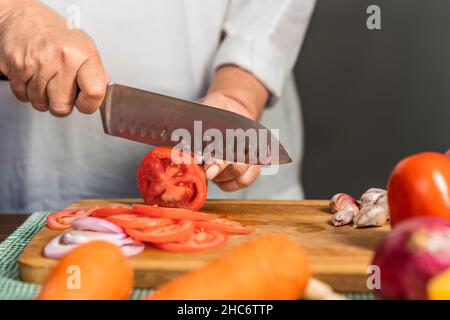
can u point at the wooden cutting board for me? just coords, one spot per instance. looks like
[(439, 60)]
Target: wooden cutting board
[(339, 256)]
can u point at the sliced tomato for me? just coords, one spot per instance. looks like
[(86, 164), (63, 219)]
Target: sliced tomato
[(175, 232), (62, 220), (221, 224), (111, 210), (180, 183), (200, 241), (138, 221), (172, 213)]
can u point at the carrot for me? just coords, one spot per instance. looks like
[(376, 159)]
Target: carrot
[(269, 267), (93, 271)]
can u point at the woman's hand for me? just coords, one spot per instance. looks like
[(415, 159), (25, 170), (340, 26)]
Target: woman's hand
[(235, 90), (47, 63)]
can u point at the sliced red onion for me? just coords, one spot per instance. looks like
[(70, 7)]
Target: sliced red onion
[(55, 249), (79, 237), (86, 229), (66, 242), (127, 241), (133, 249), (95, 224)]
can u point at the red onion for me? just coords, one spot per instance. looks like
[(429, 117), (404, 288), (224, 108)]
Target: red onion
[(413, 252), (129, 246), (65, 242), (95, 224), (55, 249), (132, 249), (79, 237), (88, 229)]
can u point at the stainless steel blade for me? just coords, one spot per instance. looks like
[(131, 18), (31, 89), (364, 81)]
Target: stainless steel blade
[(153, 119)]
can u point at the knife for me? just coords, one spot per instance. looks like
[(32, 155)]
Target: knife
[(160, 120), (156, 119)]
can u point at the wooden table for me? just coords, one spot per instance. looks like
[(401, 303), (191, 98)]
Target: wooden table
[(9, 223)]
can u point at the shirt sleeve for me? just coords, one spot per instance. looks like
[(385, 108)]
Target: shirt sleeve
[(264, 37)]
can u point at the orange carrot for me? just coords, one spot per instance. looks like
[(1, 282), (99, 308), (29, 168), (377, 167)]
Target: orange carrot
[(269, 267), (93, 271)]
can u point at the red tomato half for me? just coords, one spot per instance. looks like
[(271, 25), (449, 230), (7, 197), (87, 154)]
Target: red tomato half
[(111, 210), (198, 242), (138, 221), (174, 232), (62, 220), (225, 225), (164, 183), (172, 213), (420, 186)]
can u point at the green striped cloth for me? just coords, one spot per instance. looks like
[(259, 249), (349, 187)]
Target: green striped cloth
[(11, 288)]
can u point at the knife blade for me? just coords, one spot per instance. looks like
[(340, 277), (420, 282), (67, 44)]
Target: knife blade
[(121, 116), (208, 132)]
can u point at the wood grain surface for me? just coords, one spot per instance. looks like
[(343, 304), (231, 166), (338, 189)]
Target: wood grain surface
[(339, 256)]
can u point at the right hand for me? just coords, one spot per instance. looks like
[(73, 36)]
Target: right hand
[(48, 64)]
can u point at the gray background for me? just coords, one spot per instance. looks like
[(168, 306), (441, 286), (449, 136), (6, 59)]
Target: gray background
[(371, 97)]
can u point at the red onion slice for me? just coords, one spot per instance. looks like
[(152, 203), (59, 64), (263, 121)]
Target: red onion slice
[(95, 224), (55, 249), (133, 249), (66, 242), (127, 241), (79, 237), (86, 229)]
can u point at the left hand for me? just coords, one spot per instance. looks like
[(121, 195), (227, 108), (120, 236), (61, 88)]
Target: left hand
[(234, 176)]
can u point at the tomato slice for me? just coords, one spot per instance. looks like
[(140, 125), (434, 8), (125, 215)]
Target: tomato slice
[(138, 221), (111, 210), (200, 241), (225, 225), (62, 220), (175, 232), (172, 213), (165, 183)]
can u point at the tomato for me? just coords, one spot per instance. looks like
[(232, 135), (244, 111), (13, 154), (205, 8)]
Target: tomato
[(62, 220), (172, 213), (420, 186), (139, 221), (165, 183), (225, 225), (174, 232), (198, 242), (111, 210)]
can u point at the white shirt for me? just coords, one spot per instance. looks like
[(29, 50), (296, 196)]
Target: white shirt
[(166, 46)]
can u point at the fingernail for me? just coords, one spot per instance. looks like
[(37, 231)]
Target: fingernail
[(60, 111), (41, 107), (212, 172)]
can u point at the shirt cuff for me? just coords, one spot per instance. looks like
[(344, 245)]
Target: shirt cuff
[(258, 56)]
